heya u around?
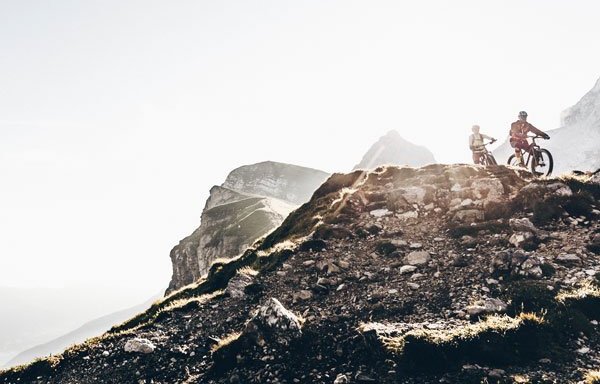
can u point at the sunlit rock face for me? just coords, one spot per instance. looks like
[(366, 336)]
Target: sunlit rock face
[(253, 200), (576, 144), (392, 149)]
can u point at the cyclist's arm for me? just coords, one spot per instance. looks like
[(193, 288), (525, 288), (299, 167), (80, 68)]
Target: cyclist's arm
[(471, 139), (487, 137), (531, 128)]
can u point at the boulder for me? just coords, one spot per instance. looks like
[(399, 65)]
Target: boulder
[(327, 266), (468, 215), (237, 284), (139, 345), (380, 212), (488, 188), (516, 263), (531, 268), (407, 269), (568, 259), (523, 225), (524, 240), (341, 379), (407, 215), (417, 258), (273, 322), (486, 307), (302, 295), (325, 281), (414, 195)]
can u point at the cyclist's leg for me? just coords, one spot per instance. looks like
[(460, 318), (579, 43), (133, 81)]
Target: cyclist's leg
[(476, 157), (520, 146)]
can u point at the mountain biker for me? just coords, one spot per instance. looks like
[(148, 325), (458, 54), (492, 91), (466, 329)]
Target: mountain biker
[(476, 143), (518, 135)]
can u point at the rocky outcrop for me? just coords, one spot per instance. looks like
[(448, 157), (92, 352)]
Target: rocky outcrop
[(331, 295), (253, 200), (392, 149)]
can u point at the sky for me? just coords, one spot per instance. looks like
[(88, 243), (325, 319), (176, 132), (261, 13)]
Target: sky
[(116, 117)]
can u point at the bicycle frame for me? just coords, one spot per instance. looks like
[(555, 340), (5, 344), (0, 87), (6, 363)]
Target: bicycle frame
[(484, 152), (533, 149)]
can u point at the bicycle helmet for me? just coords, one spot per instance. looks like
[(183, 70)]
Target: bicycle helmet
[(522, 114)]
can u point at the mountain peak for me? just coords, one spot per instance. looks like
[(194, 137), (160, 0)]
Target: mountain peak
[(393, 149), (586, 111), (291, 183)]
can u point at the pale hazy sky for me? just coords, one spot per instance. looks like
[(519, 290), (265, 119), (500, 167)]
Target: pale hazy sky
[(116, 117)]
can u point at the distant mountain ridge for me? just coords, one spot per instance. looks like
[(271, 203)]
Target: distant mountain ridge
[(90, 329), (393, 149)]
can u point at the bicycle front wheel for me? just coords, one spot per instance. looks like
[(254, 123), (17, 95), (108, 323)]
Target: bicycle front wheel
[(513, 160), (542, 163)]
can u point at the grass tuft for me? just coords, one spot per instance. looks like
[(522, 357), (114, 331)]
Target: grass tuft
[(248, 271), (586, 290), (592, 377), (225, 341), (497, 339)]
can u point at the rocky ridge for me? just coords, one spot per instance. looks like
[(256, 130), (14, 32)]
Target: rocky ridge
[(253, 200), (446, 273)]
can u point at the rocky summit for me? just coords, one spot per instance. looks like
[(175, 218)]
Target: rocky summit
[(253, 200), (439, 274)]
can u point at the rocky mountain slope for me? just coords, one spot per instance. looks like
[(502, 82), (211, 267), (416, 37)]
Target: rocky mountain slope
[(392, 149), (453, 274), (576, 144), (253, 200), (79, 335)]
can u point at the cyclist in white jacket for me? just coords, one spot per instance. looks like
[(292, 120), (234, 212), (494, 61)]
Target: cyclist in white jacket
[(476, 143)]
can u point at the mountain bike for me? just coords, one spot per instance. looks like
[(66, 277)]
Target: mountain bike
[(539, 160), (485, 156)]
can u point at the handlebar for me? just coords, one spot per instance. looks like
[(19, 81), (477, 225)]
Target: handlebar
[(538, 137)]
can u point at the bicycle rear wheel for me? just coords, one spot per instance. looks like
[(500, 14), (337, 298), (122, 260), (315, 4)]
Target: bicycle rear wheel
[(542, 163), (490, 160)]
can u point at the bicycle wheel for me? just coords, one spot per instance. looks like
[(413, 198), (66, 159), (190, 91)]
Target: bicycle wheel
[(542, 163), (512, 160), (490, 160)]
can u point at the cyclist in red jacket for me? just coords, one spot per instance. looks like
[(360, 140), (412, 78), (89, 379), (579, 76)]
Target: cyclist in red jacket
[(518, 135)]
